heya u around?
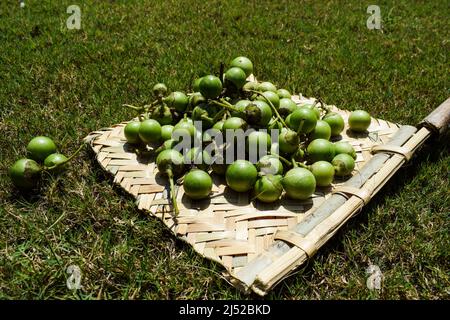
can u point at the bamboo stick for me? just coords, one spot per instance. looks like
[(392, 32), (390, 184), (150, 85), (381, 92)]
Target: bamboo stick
[(439, 120)]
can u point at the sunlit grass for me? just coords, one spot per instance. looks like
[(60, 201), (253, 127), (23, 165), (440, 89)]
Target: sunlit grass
[(65, 83)]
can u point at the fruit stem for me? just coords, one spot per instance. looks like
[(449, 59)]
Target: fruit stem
[(67, 160), (218, 115), (133, 107), (300, 127), (151, 106), (297, 164), (294, 163), (303, 165), (205, 118), (226, 105), (277, 121), (286, 161), (172, 190), (159, 149), (271, 106), (147, 109)]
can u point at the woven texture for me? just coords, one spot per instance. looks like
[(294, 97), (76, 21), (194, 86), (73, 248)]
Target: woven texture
[(228, 227)]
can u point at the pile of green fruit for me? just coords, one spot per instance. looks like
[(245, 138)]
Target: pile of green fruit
[(26, 173), (227, 101)]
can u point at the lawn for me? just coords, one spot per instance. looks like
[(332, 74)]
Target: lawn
[(66, 83)]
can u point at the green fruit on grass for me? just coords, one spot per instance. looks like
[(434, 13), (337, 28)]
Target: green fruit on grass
[(56, 159), (299, 183), (177, 100), (40, 148), (150, 131), (241, 175), (131, 132), (236, 76), (323, 172), (320, 149), (303, 120), (343, 164), (322, 130), (243, 63), (335, 121), (210, 87), (24, 173), (269, 188), (197, 184), (344, 147), (359, 120)]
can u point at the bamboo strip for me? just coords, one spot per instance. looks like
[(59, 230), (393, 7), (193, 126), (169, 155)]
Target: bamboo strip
[(438, 121)]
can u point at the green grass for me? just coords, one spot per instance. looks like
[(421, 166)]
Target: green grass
[(65, 83)]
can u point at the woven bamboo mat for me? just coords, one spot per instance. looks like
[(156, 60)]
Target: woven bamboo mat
[(228, 227)]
